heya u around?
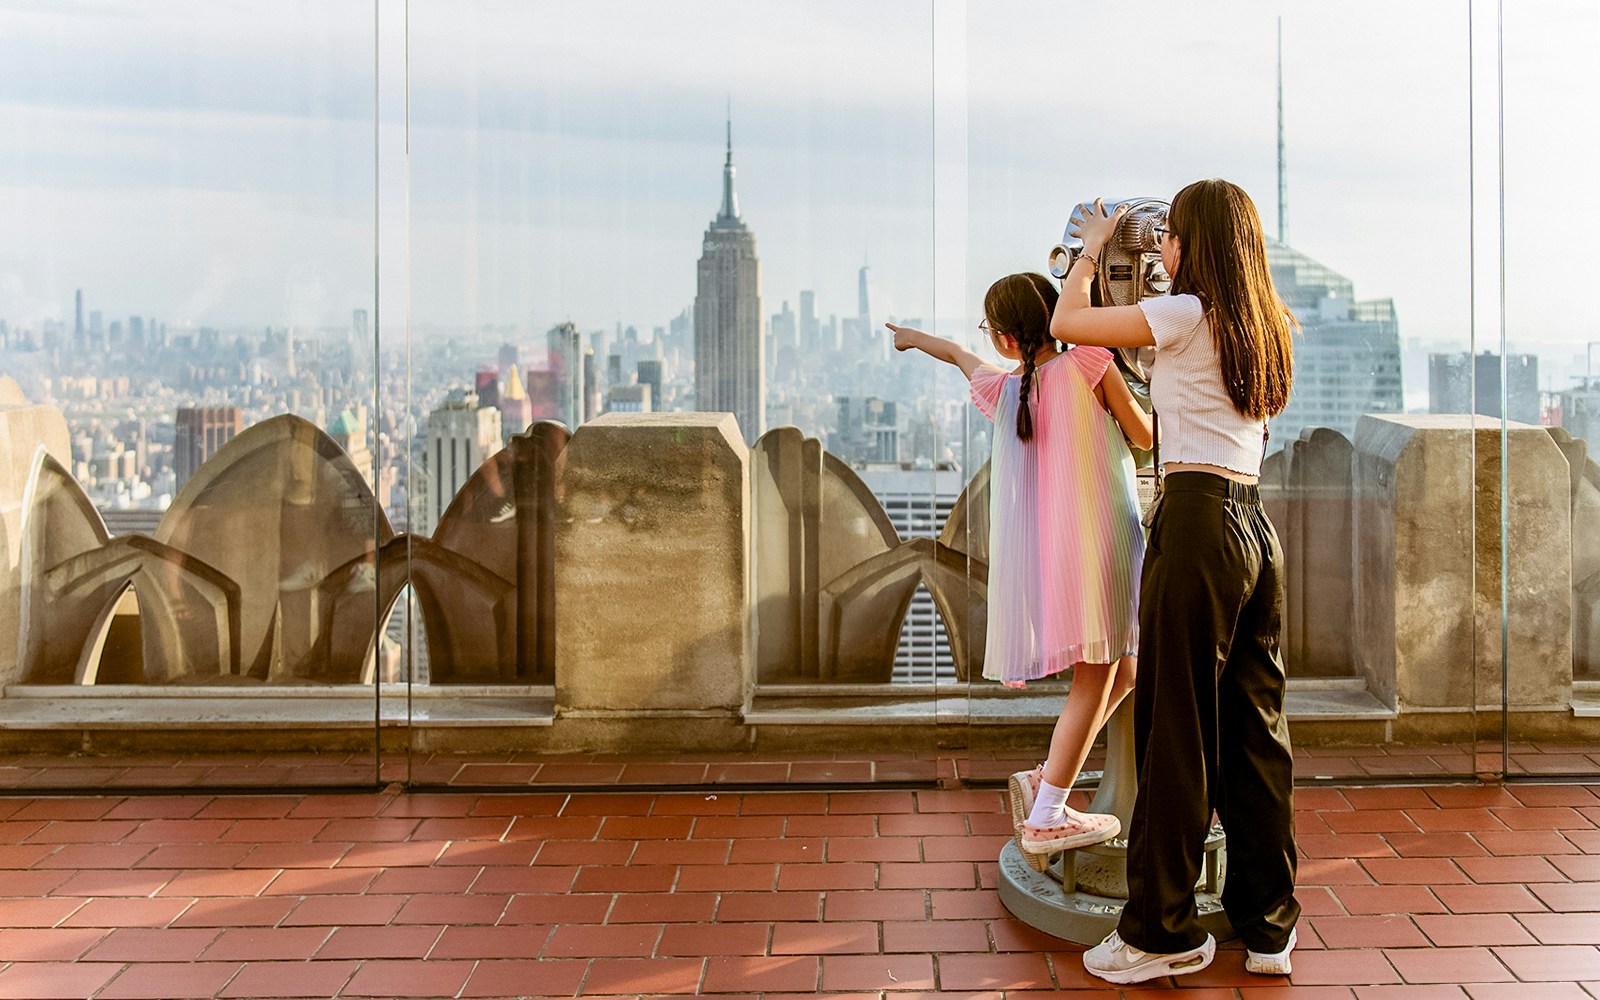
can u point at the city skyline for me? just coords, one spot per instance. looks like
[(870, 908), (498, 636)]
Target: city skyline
[(538, 188)]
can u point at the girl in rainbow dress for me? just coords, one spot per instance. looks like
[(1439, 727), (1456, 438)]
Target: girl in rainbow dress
[(1065, 542)]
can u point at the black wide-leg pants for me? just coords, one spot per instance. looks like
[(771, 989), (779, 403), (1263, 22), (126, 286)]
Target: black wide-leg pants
[(1209, 730)]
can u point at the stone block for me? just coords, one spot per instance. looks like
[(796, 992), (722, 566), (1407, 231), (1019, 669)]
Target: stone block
[(1428, 555), (653, 583), (24, 429)]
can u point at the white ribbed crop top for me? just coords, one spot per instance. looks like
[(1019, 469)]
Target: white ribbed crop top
[(1196, 417)]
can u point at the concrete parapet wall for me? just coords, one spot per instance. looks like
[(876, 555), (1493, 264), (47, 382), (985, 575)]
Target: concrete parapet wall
[(1427, 542), (653, 582)]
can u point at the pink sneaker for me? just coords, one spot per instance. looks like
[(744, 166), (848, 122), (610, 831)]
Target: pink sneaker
[(1021, 789), (1076, 829)]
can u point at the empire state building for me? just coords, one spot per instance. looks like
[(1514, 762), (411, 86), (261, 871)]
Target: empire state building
[(729, 350)]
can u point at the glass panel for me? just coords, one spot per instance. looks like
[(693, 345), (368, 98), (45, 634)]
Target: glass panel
[(1539, 377), (185, 336), (624, 221), (1371, 495)]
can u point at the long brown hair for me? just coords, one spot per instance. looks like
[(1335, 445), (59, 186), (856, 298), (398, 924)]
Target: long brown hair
[(1224, 262), (1019, 306)]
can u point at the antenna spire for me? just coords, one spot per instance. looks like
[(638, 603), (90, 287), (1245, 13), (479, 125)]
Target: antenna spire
[(1283, 177)]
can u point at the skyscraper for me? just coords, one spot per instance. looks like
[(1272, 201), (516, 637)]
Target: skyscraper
[(77, 328), (1347, 360), (729, 350), (461, 435), (872, 345), (566, 372), (516, 409), (1453, 377), (199, 432)]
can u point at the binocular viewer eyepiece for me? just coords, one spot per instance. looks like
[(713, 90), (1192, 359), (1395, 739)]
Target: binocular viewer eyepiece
[(1130, 264)]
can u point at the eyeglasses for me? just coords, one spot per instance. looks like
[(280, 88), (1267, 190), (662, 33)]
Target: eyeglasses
[(1162, 232), (985, 328)]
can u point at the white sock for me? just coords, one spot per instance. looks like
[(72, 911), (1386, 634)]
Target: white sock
[(1049, 805)]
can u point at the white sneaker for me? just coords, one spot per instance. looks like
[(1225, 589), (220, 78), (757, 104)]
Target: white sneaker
[(1116, 961), (1270, 963)]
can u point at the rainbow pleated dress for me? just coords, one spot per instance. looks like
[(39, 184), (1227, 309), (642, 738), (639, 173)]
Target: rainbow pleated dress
[(1065, 543)]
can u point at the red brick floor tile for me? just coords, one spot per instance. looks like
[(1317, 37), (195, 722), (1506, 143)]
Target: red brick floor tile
[(513, 978), (737, 827), (894, 904), (407, 880), (1012, 934), (701, 940), (841, 876), (453, 910), (695, 804), (188, 856), (152, 944), (927, 874), (236, 912), (669, 976), (734, 907), (236, 882), (1472, 930), (14, 857), (127, 912), (1515, 842), (1487, 898), (1552, 963), (730, 974), (1471, 796), (975, 848), (343, 911), (1510, 869), (834, 937), (877, 972), (538, 804), (1525, 991), (1538, 796), (1545, 818), (1344, 845), (663, 907), (488, 852), (611, 940), (48, 809), (1451, 965), (1414, 871), (645, 827), (849, 825), (47, 944), (961, 801), (295, 855), (170, 981), (39, 882), (1333, 871), (1568, 897), (785, 804), (773, 850), (412, 852), (179, 831), (159, 807), (875, 803), (379, 942), (966, 906), (1562, 928), (321, 882), (520, 880), (936, 936), (339, 806), (1318, 901), (1374, 899), (1439, 845), (1426, 991), (54, 980), (1017, 971), (256, 944), (249, 807), (652, 878), (1368, 932), (1297, 993), (1370, 821), (18, 832), (1342, 968), (923, 825), (1581, 868), (512, 941), (429, 805), (1378, 798), (592, 852), (408, 979), (368, 829), (88, 832), (673, 852), (601, 806), (538, 908), (1455, 820)]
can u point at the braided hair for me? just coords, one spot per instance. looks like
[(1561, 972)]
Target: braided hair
[(1019, 306)]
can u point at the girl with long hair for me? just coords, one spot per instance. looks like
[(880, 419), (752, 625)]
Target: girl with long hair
[(1209, 729), (1064, 538)]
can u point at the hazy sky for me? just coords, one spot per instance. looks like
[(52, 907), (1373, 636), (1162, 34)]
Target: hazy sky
[(213, 162)]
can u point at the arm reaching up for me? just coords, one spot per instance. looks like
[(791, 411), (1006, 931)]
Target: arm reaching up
[(908, 338), (1135, 423)]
